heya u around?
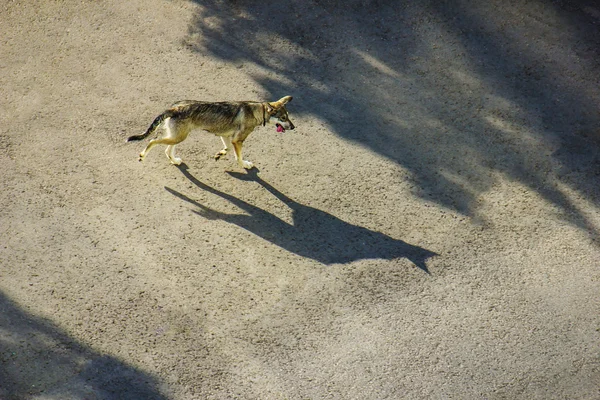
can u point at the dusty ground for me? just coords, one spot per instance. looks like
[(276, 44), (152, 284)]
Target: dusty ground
[(430, 229)]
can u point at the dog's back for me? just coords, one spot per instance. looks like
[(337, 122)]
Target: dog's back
[(218, 118)]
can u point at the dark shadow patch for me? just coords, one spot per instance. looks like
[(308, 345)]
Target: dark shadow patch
[(38, 358), (458, 92)]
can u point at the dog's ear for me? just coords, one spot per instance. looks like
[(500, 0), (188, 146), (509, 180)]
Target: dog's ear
[(281, 102), (269, 108)]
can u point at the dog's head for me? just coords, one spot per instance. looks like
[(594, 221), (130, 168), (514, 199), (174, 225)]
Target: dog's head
[(278, 115)]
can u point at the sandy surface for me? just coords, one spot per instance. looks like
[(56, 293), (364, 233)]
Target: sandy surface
[(431, 229)]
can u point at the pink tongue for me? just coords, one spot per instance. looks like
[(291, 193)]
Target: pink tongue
[(279, 128)]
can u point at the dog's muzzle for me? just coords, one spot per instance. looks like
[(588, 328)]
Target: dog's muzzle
[(281, 128)]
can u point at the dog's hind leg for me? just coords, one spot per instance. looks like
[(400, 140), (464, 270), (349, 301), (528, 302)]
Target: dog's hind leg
[(170, 152), (174, 135), (170, 142), (226, 147)]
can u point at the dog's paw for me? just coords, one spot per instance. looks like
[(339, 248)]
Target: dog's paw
[(176, 161), (247, 164), (141, 158), (220, 154)]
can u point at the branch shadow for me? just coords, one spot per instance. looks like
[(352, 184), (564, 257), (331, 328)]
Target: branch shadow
[(443, 88), (314, 234), (37, 358)]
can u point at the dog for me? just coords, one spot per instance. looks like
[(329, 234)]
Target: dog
[(232, 121)]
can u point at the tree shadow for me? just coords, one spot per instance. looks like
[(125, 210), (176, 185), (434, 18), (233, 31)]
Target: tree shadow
[(443, 88), (37, 358), (313, 233)]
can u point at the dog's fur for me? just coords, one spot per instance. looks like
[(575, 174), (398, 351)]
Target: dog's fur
[(232, 121)]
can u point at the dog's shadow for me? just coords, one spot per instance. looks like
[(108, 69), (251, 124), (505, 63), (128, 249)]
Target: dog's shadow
[(314, 234)]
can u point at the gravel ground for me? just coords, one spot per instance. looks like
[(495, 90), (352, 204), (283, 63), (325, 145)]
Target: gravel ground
[(431, 229)]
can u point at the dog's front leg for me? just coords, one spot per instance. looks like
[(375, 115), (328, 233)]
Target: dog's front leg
[(237, 146), (226, 147)]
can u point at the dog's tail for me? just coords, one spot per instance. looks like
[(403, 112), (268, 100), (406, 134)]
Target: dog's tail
[(157, 121)]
